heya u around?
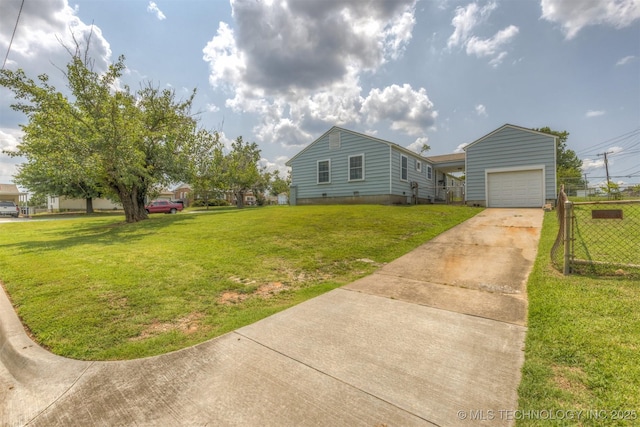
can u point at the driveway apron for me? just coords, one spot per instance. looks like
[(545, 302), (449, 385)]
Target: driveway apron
[(435, 337)]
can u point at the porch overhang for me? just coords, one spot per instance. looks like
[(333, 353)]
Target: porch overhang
[(449, 163)]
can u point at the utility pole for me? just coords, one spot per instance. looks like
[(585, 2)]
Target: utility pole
[(606, 167)]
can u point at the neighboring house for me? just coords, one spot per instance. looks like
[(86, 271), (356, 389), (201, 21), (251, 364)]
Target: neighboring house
[(510, 167), (164, 194), (10, 193), (283, 199), (62, 203), (248, 198), (182, 192), (343, 166)]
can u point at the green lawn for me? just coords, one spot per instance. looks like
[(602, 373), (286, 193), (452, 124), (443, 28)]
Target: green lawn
[(96, 288), (600, 240), (583, 345)]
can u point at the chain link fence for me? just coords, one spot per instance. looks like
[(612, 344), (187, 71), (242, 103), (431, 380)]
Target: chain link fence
[(598, 238)]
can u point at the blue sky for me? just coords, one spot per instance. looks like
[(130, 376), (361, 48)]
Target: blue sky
[(281, 73)]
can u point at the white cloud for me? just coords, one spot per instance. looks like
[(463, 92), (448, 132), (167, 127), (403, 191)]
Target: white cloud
[(589, 164), (153, 8), (276, 166), (226, 63), (46, 28), (594, 113), (492, 47), (481, 110), (466, 20), (416, 146), (615, 150), (212, 108), (573, 16), (9, 139), (626, 60), (408, 110), (322, 40), (460, 147), (314, 82)]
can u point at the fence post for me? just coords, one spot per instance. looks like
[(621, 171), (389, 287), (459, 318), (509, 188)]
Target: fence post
[(568, 213)]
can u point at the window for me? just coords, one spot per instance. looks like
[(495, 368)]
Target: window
[(429, 172), (418, 165), (404, 168), (324, 171), (356, 167)]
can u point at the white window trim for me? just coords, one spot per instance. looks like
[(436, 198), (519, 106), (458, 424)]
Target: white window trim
[(419, 166), (401, 178), (429, 173), (349, 168), (318, 172)]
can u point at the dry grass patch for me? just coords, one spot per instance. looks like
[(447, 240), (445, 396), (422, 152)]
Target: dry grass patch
[(264, 291), (187, 325)]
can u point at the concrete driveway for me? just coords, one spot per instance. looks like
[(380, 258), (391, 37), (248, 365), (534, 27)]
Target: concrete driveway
[(435, 337)]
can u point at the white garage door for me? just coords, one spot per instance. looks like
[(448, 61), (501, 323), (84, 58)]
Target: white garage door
[(515, 189)]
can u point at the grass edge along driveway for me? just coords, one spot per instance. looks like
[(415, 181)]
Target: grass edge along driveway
[(96, 288), (582, 352)]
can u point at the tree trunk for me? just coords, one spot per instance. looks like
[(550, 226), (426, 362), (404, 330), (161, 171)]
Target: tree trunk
[(133, 204), (89, 201), (240, 199)]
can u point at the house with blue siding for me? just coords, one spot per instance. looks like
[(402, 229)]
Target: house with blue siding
[(509, 167), (343, 166)]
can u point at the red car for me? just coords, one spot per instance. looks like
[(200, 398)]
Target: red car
[(163, 206)]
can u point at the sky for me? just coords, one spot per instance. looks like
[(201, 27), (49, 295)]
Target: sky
[(282, 72)]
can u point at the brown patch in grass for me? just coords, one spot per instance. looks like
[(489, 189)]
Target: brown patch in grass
[(570, 378), (187, 325), (264, 291), (231, 297), (115, 300), (269, 289)]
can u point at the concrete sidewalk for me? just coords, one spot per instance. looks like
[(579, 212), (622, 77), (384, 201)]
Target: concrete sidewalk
[(433, 338)]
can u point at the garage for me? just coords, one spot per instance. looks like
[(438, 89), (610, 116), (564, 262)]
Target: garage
[(515, 189), (511, 167)]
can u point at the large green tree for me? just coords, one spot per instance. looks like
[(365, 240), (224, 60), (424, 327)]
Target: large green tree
[(242, 171), (103, 138), (279, 185), (57, 159), (206, 167), (568, 165)]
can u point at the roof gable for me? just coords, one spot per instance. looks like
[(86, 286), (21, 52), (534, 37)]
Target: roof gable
[(9, 189), (369, 137), (506, 126)]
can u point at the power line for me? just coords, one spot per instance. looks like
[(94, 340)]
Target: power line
[(13, 35), (624, 153), (615, 140)]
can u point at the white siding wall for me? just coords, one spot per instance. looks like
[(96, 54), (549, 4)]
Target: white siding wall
[(81, 204)]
